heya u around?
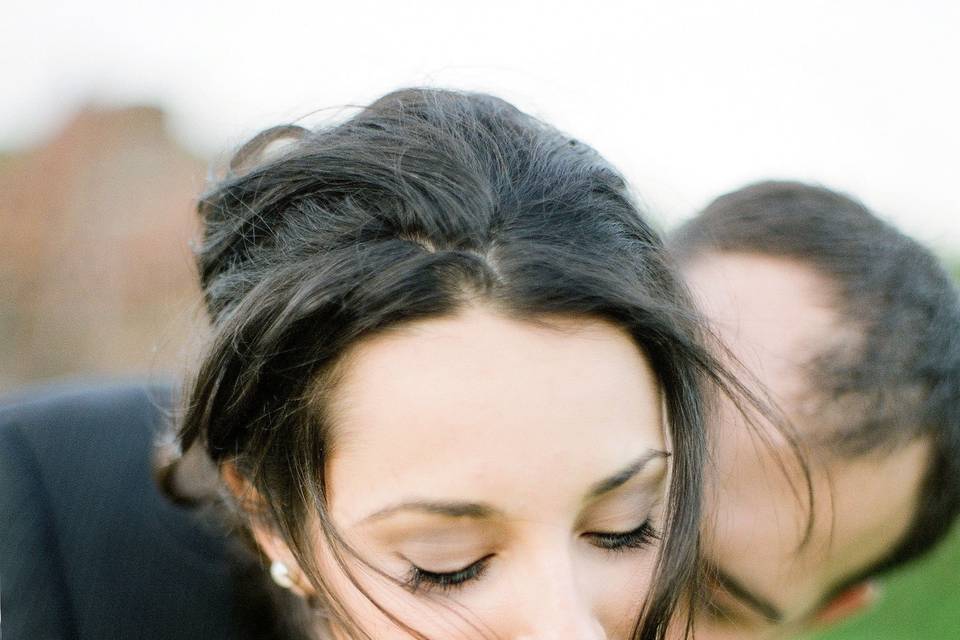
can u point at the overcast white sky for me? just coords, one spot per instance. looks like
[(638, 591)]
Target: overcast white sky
[(690, 98)]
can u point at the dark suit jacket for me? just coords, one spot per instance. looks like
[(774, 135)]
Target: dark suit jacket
[(89, 548)]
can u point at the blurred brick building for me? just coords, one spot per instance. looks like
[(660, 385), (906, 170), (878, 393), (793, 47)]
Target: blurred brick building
[(95, 261)]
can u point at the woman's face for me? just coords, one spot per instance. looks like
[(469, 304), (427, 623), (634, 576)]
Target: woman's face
[(509, 474)]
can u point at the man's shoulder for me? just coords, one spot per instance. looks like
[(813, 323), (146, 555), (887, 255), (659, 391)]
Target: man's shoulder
[(89, 544), (44, 408)]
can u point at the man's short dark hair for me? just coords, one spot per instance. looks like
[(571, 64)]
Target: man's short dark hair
[(903, 373)]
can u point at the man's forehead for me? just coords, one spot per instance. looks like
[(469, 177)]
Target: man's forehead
[(776, 316), (770, 311), (778, 319)]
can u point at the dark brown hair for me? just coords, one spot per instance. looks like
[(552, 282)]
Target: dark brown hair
[(418, 203)]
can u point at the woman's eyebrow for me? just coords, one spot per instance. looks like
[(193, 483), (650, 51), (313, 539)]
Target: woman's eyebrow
[(481, 511), (625, 475), (475, 510)]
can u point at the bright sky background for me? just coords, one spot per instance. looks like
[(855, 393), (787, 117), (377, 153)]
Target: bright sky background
[(690, 98)]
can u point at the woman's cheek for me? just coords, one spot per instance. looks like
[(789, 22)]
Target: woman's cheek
[(618, 583)]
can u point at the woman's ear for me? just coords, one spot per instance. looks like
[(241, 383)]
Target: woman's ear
[(271, 545), (853, 600), (246, 496)]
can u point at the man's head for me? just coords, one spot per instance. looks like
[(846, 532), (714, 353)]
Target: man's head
[(854, 330)]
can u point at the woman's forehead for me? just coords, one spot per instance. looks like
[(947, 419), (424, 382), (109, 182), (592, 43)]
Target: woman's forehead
[(479, 407)]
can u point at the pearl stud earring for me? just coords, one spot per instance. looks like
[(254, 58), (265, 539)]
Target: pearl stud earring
[(280, 574)]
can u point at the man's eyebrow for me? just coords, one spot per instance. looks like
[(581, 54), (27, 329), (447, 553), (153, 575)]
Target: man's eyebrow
[(624, 475), (473, 510), (736, 589)]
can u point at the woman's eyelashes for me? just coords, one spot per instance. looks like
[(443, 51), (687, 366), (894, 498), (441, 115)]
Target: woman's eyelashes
[(637, 538), (419, 578), (445, 580)]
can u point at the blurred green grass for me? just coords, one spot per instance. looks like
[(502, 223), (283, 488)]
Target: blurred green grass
[(919, 602)]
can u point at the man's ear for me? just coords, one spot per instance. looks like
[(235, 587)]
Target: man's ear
[(851, 601)]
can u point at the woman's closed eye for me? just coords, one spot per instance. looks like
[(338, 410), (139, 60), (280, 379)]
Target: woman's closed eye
[(421, 578), (637, 538), (418, 577)]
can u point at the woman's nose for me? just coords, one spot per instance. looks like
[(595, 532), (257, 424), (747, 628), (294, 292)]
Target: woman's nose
[(554, 621), (563, 631), (551, 606)]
